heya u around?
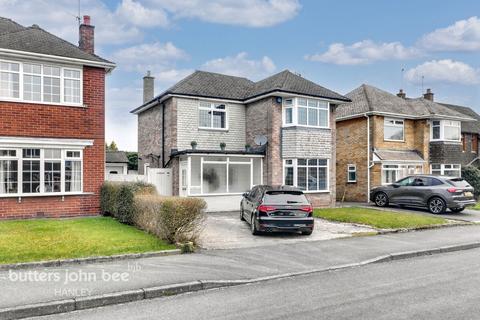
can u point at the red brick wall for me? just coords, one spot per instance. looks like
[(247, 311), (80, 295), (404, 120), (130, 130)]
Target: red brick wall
[(49, 121)]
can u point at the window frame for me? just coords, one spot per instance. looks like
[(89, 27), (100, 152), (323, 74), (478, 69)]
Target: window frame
[(351, 168), (400, 168), (295, 106), (442, 125), (394, 125), (42, 159), (212, 109), (62, 78), (442, 168), (293, 163)]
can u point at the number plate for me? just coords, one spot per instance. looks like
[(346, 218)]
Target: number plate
[(468, 194)]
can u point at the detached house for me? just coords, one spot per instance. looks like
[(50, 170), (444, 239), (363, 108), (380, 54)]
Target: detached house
[(52, 112), (222, 135), (383, 137)]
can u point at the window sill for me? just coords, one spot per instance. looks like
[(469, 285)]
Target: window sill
[(304, 126), (391, 140), (56, 194), (213, 129), (351, 182), (79, 105)]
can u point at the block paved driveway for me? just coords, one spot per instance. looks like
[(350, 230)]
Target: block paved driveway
[(224, 230)]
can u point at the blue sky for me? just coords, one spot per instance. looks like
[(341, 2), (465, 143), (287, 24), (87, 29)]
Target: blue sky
[(338, 44)]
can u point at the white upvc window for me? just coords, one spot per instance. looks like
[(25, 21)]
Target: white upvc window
[(453, 170), (40, 83), (35, 171), (351, 173), (445, 130), (310, 175), (212, 115), (306, 112), (393, 129), (394, 172)]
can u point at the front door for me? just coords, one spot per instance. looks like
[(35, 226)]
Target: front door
[(183, 174)]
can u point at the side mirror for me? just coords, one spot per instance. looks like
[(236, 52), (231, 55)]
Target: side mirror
[(245, 194), (395, 185)]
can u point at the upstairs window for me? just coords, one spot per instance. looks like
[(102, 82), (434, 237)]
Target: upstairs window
[(212, 115), (305, 112), (40, 83), (445, 130), (393, 129)]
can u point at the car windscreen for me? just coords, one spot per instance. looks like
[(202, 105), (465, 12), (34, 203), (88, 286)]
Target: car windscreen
[(284, 198), (459, 182)]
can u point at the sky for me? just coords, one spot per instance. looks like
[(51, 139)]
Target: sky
[(337, 44)]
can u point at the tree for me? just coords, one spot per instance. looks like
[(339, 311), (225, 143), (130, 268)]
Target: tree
[(112, 146), (132, 160)]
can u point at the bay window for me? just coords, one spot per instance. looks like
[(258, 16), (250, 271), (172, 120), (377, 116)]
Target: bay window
[(305, 112), (40, 171), (306, 174), (394, 172), (40, 83), (445, 130), (452, 170), (393, 129), (212, 115)]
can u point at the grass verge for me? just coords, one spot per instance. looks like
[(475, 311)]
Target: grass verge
[(51, 239), (475, 207), (378, 218)]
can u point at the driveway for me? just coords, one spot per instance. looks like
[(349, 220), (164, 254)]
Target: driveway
[(224, 230), (466, 215)]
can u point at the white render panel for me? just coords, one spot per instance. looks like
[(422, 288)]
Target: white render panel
[(222, 203), (298, 142), (188, 131)]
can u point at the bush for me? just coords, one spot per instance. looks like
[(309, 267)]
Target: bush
[(472, 175), (117, 198), (175, 219)]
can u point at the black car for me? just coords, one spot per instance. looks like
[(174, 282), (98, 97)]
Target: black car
[(436, 193), (277, 209)]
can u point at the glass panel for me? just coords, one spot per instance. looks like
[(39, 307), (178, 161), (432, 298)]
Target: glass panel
[(53, 176), (8, 176), (289, 176), (312, 178), (302, 102), (302, 116), (51, 89), (288, 102), (205, 118), (240, 159), (9, 85), (302, 178), (238, 178), (393, 133), (312, 103), (32, 87), (8, 153), (323, 118), (452, 133), (322, 162), (219, 119), (31, 153), (195, 178), (72, 91), (322, 178), (73, 154), (73, 176), (288, 115), (312, 162), (302, 162), (214, 178), (312, 117), (219, 107), (31, 176), (52, 153), (257, 171), (352, 176), (72, 74)]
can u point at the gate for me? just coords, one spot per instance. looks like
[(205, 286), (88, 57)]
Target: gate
[(161, 179)]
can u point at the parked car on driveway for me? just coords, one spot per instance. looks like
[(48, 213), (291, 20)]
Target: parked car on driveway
[(277, 209), (436, 193)]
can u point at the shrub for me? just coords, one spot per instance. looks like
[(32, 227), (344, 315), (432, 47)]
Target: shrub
[(175, 219), (472, 175), (117, 198)]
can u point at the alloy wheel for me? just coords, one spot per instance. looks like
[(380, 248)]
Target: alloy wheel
[(381, 199), (436, 205)]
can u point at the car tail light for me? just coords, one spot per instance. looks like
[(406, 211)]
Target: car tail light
[(307, 208), (265, 208), (452, 190)]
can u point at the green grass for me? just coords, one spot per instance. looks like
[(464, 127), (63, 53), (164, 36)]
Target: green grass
[(38, 240), (378, 218), (475, 207)]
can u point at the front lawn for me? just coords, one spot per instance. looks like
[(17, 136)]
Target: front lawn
[(378, 218), (475, 207), (38, 240)]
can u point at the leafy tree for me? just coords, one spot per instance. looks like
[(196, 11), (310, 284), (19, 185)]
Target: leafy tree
[(112, 146), (472, 175), (132, 160)]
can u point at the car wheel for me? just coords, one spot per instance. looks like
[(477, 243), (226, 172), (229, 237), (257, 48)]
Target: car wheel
[(253, 227), (457, 210), (307, 233), (241, 214), (436, 205), (381, 199)]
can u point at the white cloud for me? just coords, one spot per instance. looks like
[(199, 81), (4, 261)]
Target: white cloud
[(463, 35), (149, 56), (166, 78), (139, 15), (241, 66), (443, 71), (364, 52), (250, 13)]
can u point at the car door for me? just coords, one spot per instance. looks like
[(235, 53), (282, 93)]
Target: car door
[(248, 202), (400, 190), (417, 192)]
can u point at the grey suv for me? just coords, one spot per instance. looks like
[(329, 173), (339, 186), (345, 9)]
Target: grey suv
[(436, 193)]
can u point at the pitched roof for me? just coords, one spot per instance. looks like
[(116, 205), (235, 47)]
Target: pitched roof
[(398, 155), (221, 86), (34, 39), (116, 157), (467, 126), (367, 98)]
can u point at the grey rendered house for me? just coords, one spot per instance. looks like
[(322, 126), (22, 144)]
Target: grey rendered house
[(280, 130)]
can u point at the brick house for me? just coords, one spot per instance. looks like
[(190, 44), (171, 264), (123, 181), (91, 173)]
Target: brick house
[(280, 130), (52, 115), (382, 137)]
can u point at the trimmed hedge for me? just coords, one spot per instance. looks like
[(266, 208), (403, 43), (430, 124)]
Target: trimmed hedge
[(472, 175), (117, 198), (175, 219)]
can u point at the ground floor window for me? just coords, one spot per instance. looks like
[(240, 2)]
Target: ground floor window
[(351, 173), (38, 171), (223, 175), (452, 170), (306, 174), (394, 172)]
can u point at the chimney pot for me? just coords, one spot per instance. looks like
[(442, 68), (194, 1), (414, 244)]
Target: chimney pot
[(148, 87), (428, 95), (86, 36), (401, 94)]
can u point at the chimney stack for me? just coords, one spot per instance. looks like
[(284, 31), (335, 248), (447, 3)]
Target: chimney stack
[(148, 87), (86, 36), (428, 95), (401, 94)]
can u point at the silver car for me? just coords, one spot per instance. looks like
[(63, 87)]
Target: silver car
[(436, 193)]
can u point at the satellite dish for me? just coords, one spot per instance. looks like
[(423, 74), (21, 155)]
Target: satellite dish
[(260, 140)]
